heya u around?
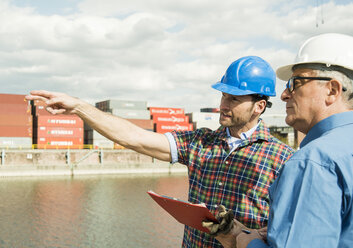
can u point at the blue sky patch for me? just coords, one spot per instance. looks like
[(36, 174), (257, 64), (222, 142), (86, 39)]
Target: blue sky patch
[(49, 7)]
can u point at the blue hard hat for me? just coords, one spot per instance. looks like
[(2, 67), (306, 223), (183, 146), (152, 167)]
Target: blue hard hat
[(248, 75)]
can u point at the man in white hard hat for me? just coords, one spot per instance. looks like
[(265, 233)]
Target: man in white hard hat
[(312, 199)]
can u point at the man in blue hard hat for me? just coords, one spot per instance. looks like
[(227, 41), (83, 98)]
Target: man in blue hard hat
[(231, 167)]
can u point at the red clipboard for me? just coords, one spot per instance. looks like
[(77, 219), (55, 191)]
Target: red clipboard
[(185, 212)]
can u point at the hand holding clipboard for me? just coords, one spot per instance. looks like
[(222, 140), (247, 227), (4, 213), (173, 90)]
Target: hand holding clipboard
[(185, 212)]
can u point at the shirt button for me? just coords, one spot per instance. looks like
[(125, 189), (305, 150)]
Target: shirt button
[(227, 162), (220, 184)]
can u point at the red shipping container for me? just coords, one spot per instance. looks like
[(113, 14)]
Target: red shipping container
[(165, 127), (16, 131), (170, 118), (13, 98), (58, 121), (169, 111), (74, 132), (145, 124), (43, 146), (40, 110), (16, 120), (38, 103), (58, 143), (14, 109)]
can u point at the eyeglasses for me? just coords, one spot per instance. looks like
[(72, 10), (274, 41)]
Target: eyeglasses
[(293, 81)]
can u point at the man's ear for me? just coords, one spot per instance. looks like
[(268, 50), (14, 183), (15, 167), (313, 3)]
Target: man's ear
[(334, 91), (260, 106)]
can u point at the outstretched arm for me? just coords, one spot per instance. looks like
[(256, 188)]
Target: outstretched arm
[(114, 128)]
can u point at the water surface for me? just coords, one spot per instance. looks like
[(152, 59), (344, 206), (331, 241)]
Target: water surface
[(93, 211)]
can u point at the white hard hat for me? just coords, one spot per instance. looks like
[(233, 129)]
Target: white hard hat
[(329, 49)]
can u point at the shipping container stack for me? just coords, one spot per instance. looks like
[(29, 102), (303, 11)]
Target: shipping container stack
[(133, 111), (209, 110), (207, 117), (169, 119), (56, 131), (15, 122)]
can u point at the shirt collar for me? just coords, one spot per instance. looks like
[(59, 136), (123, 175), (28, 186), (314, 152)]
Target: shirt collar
[(244, 135), (327, 124), (261, 133)]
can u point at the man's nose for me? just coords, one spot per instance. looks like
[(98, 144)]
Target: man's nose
[(224, 103), (285, 95)]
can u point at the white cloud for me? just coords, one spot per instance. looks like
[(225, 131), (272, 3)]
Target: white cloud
[(165, 52)]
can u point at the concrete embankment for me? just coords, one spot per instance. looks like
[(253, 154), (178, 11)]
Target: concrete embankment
[(80, 162)]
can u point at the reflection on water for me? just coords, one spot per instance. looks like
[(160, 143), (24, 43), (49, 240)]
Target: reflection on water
[(96, 211)]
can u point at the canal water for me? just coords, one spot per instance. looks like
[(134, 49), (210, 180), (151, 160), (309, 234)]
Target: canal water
[(93, 211)]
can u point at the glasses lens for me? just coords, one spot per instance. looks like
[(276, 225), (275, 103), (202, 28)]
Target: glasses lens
[(290, 85)]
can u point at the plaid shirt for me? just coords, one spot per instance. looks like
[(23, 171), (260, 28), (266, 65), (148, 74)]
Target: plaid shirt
[(237, 180)]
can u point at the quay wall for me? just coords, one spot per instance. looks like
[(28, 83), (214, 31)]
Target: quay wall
[(35, 162)]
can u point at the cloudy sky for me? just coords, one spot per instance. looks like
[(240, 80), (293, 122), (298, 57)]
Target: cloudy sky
[(165, 52)]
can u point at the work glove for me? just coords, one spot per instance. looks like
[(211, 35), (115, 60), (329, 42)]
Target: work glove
[(225, 224), (228, 228)]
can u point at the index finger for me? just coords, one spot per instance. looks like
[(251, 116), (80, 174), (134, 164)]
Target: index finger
[(43, 93), (35, 97)]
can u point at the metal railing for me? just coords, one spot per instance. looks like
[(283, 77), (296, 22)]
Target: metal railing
[(56, 147)]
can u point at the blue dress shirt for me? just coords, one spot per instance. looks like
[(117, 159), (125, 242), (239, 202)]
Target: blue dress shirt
[(312, 199)]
